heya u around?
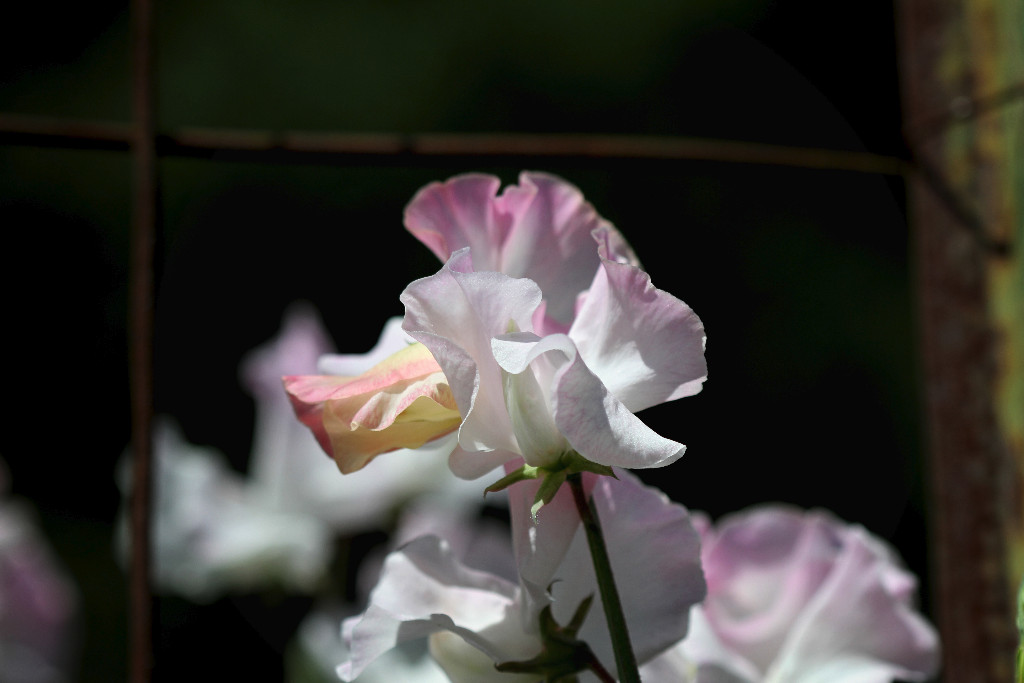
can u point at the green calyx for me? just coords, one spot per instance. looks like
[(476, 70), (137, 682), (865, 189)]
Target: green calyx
[(552, 477), (562, 655)]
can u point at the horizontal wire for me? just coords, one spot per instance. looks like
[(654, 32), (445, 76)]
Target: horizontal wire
[(285, 146)]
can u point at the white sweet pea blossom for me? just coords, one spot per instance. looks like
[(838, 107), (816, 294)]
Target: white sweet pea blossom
[(801, 597), (549, 333), (474, 619)]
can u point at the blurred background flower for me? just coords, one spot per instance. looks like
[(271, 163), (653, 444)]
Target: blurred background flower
[(39, 620)]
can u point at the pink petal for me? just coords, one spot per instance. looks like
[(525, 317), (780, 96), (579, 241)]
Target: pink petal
[(402, 402), (459, 213), (810, 599), (549, 241), (856, 628), (646, 345), (539, 229), (762, 568)]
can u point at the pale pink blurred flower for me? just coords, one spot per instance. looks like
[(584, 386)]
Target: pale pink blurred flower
[(802, 597), (38, 603)]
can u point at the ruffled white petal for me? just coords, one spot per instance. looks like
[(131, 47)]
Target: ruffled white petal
[(596, 424), (455, 314), (646, 345)]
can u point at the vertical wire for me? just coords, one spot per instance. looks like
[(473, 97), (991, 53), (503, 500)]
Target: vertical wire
[(143, 234)]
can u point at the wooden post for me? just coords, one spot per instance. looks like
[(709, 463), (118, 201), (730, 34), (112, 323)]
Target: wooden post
[(958, 60)]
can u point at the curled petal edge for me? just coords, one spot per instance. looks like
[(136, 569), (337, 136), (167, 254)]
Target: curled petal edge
[(402, 402)]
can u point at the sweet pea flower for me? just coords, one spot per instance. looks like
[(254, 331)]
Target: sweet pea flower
[(474, 619), (540, 336), (801, 597), (541, 396), (549, 333)]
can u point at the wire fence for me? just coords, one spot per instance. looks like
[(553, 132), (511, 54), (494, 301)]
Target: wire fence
[(147, 144)]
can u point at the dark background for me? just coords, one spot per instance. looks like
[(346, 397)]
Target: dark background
[(801, 276)]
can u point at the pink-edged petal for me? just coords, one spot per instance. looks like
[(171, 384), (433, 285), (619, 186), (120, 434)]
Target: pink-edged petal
[(402, 402), (595, 423), (539, 229), (646, 345), (612, 246), (549, 241), (459, 213), (423, 589), (392, 340), (857, 628), (543, 324), (455, 314), (809, 599), (655, 556)]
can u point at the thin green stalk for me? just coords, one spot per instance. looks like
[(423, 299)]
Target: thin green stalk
[(625, 660)]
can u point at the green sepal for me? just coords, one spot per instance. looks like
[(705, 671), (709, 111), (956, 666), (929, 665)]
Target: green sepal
[(562, 656), (522, 474), (553, 477), (573, 462), (548, 488)]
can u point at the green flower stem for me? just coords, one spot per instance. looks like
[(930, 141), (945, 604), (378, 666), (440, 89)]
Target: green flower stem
[(625, 660)]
